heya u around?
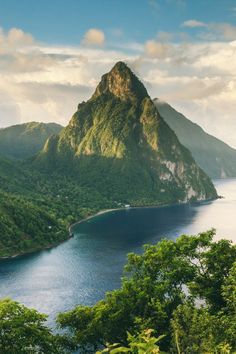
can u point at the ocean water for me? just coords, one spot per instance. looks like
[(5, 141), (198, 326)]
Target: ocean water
[(83, 268)]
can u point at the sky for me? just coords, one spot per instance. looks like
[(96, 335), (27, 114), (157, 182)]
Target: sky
[(53, 53)]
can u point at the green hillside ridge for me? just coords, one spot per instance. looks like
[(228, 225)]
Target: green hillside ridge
[(25, 227), (24, 140), (215, 157), (118, 143), (37, 209)]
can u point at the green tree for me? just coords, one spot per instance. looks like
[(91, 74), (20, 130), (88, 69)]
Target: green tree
[(143, 343), (23, 331), (201, 330), (164, 277), (229, 311), (197, 331)]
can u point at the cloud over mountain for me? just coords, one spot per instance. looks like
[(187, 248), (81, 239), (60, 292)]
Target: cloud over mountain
[(42, 82)]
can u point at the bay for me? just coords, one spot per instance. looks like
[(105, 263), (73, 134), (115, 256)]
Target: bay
[(82, 269)]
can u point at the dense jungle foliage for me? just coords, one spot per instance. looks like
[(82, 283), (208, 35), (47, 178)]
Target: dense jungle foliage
[(37, 209), (183, 290), (177, 297)]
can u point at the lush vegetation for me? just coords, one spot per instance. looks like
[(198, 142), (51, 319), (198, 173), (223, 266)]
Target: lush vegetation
[(143, 343), (36, 209), (184, 291), (23, 331), (215, 157), (117, 142), (116, 150), (177, 297), (26, 227), (24, 140)]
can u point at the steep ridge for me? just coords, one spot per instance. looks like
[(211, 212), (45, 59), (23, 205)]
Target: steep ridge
[(215, 157), (118, 144)]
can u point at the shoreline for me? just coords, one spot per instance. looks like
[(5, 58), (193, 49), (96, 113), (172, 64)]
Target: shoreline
[(18, 255), (104, 211)]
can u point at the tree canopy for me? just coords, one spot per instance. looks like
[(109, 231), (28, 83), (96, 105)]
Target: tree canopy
[(183, 289), (177, 297), (23, 331)]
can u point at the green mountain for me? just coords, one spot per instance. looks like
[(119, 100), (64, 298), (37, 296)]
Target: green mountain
[(215, 157), (37, 209), (25, 225), (118, 144), (25, 140)]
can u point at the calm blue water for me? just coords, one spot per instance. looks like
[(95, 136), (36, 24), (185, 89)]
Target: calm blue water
[(82, 269)]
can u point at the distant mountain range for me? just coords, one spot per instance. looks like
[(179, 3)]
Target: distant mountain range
[(24, 140), (118, 142), (215, 157)]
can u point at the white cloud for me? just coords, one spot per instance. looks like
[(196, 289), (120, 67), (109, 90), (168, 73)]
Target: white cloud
[(9, 110), (156, 49), (16, 36), (19, 62), (45, 83), (213, 31), (14, 39), (224, 30), (193, 23), (94, 37)]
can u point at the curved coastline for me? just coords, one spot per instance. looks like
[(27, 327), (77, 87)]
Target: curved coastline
[(70, 228), (140, 207), (58, 243), (91, 217)]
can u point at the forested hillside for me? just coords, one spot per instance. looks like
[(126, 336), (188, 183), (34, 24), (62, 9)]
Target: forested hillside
[(24, 140), (36, 210)]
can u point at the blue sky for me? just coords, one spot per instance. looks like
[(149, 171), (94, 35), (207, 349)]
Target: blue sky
[(65, 21), (54, 52)]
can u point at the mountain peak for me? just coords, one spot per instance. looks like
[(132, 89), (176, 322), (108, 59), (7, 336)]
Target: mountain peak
[(121, 66), (122, 83), (118, 142)]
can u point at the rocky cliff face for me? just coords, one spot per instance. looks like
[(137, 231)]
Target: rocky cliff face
[(122, 83), (215, 157), (118, 143)]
